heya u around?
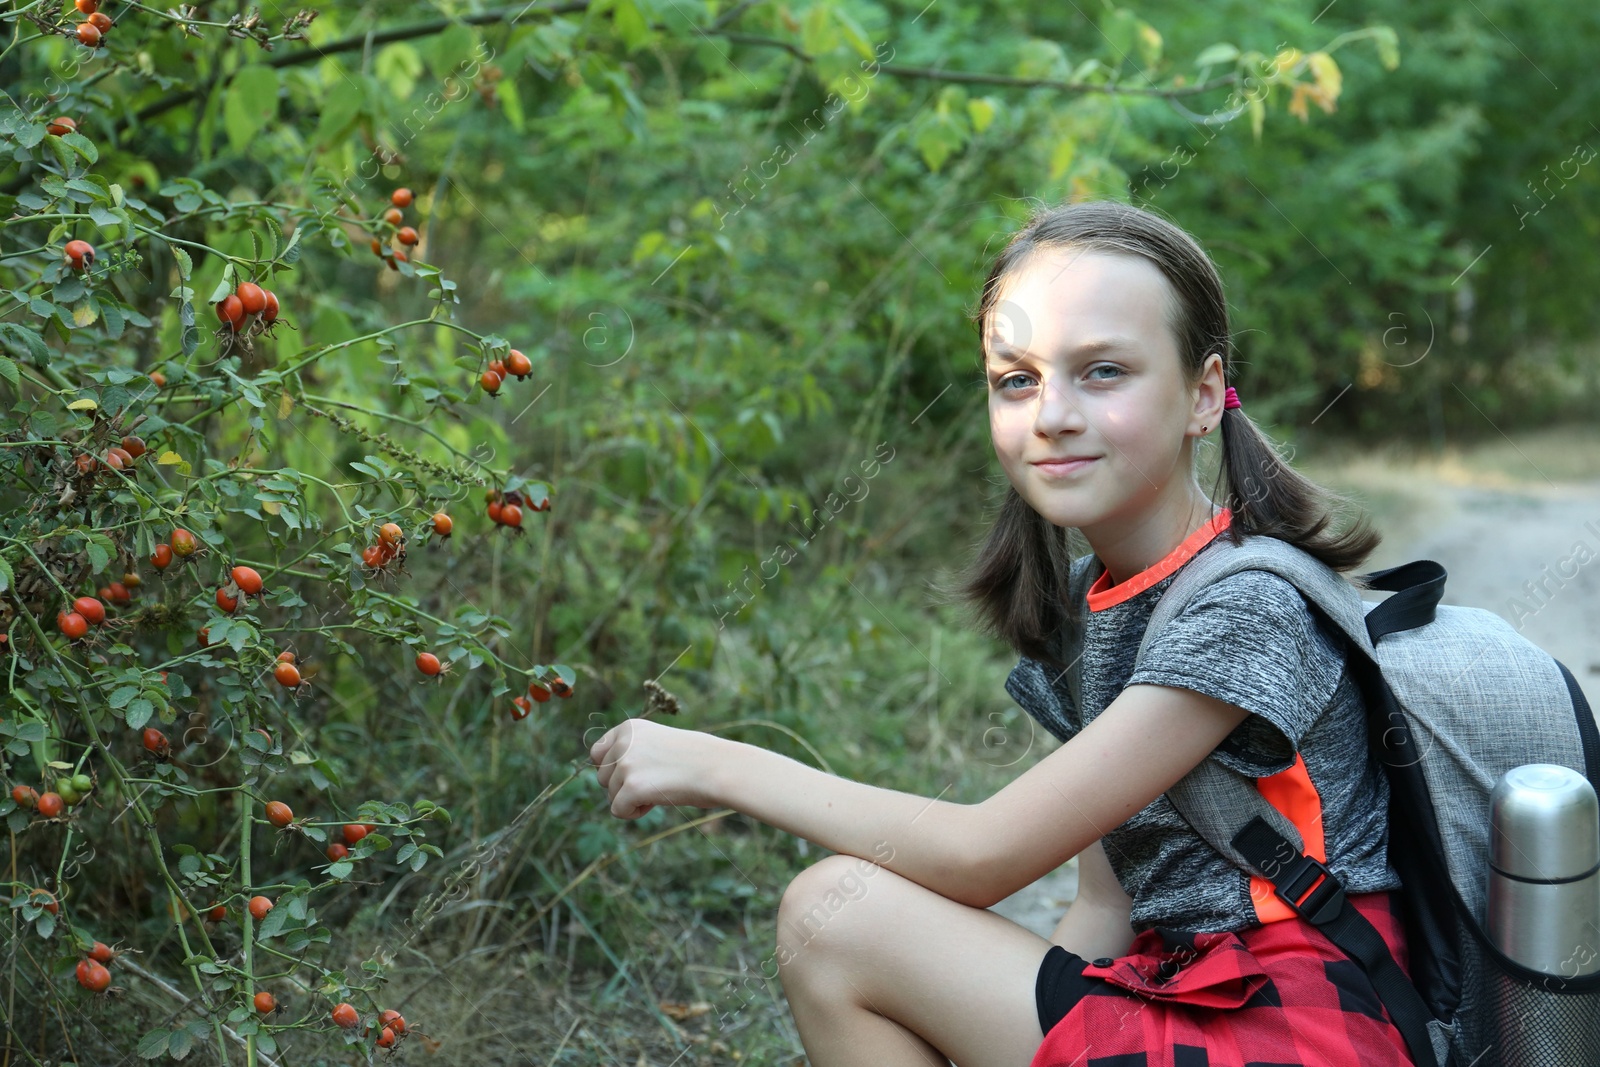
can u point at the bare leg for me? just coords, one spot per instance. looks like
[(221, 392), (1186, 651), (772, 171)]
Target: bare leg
[(881, 971)]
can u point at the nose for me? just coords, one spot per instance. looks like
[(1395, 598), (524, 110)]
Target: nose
[(1059, 410)]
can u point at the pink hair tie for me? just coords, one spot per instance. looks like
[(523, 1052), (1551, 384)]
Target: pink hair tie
[(1231, 399)]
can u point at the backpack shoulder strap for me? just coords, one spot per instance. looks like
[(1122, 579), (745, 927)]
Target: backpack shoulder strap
[(1228, 811), (1216, 800)]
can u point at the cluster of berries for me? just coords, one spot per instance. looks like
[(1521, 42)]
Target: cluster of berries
[(117, 458), (515, 365), (505, 508), (93, 973), (92, 30), (248, 305), (69, 792), (391, 546), (400, 199)]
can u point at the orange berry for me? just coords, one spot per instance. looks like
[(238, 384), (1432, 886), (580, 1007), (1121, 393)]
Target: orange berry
[(247, 579), (252, 296), (93, 976)]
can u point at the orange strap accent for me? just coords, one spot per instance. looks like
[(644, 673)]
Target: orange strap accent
[(1292, 793)]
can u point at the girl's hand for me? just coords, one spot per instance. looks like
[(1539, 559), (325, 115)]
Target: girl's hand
[(643, 763)]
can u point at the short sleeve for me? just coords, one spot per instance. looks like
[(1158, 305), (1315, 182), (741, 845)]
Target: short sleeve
[(1041, 693), (1251, 640)]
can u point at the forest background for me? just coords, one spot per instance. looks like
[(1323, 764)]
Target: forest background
[(735, 247)]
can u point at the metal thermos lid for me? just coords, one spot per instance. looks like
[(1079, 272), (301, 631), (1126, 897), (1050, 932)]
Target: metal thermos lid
[(1545, 823)]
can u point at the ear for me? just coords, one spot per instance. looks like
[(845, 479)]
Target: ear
[(1209, 393)]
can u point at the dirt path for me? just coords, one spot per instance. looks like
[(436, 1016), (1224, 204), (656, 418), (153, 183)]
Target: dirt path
[(1526, 548)]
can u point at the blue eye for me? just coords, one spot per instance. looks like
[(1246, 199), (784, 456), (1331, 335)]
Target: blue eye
[(1003, 382)]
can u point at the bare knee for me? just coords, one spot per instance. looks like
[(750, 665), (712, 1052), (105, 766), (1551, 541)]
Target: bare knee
[(820, 905)]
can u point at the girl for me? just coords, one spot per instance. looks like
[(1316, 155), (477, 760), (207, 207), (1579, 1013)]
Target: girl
[(1106, 345)]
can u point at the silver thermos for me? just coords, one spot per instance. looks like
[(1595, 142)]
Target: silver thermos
[(1544, 913)]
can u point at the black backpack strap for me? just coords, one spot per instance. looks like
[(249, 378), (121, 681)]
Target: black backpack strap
[(1317, 896), (1417, 588)]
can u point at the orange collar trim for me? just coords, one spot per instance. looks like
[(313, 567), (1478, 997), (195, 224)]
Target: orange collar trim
[(1102, 594)]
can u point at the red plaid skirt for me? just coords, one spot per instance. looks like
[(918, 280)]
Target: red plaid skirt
[(1279, 994)]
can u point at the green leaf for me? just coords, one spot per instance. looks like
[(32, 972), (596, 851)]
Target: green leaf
[(6, 577), (252, 102), (139, 713), (631, 26), (1388, 46), (101, 549), (1217, 53), (122, 696), (25, 342), (180, 1044), (153, 1044), (506, 92), (397, 67), (1120, 28), (83, 146), (981, 112), (938, 138), (274, 923)]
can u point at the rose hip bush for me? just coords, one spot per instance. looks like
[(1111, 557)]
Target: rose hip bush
[(183, 610)]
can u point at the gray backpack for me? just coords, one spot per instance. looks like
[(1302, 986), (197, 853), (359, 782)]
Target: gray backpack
[(1456, 697)]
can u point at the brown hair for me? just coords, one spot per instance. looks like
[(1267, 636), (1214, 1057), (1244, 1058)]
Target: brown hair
[(1016, 586)]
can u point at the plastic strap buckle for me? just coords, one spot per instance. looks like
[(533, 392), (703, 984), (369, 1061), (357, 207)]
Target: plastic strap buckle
[(1316, 901)]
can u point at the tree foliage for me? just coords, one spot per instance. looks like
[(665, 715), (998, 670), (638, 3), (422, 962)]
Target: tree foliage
[(736, 244)]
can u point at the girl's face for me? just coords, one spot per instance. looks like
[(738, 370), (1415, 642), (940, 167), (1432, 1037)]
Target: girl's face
[(1081, 363)]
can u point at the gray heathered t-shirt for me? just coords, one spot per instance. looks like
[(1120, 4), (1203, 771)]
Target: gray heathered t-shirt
[(1249, 640)]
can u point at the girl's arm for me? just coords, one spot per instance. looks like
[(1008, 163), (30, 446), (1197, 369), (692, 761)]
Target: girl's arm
[(1142, 744), (979, 854), (929, 841), (1097, 923), (976, 854)]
